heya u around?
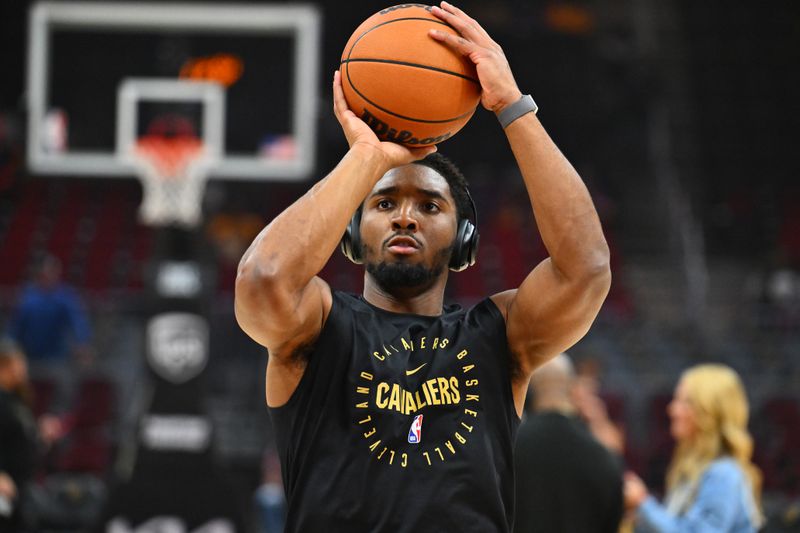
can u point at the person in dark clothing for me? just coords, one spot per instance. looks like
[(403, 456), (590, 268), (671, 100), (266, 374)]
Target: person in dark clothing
[(566, 479), (18, 436), (393, 411)]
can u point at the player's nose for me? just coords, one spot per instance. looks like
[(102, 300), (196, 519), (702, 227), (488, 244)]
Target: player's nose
[(404, 219)]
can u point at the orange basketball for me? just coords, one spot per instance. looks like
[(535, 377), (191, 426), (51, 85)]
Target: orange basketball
[(409, 88)]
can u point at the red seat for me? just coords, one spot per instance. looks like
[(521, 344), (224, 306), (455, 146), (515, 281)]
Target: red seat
[(43, 391), (88, 451), (94, 404)]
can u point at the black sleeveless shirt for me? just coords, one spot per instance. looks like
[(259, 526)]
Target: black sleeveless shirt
[(401, 423)]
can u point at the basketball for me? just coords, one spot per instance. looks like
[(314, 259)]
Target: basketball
[(409, 88)]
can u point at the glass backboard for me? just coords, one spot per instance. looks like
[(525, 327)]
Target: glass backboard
[(265, 57)]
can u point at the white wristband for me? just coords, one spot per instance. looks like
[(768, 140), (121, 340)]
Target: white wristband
[(521, 107)]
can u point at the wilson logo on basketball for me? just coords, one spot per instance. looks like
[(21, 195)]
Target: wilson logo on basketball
[(384, 131)]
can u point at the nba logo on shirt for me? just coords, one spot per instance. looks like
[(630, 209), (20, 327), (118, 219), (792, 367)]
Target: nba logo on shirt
[(415, 433)]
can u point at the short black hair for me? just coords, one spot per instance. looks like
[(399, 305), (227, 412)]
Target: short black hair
[(459, 187)]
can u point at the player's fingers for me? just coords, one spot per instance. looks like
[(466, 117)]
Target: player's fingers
[(340, 108), (453, 9), (466, 26), (456, 42), (458, 23), (338, 94), (423, 152), (336, 90)]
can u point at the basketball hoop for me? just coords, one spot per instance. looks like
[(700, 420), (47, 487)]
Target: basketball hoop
[(172, 161), (173, 171)]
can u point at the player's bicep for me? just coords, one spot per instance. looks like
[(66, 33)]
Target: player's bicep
[(550, 312), (282, 321)]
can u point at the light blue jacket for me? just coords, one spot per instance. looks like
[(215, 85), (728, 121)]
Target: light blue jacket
[(724, 504)]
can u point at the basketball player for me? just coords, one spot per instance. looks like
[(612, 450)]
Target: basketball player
[(394, 412)]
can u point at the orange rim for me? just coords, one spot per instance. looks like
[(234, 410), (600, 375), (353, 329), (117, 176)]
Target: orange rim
[(169, 155)]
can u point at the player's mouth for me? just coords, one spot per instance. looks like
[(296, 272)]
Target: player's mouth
[(403, 245)]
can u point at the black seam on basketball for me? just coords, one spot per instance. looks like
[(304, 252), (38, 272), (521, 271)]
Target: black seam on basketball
[(407, 64), (412, 119), (350, 52)]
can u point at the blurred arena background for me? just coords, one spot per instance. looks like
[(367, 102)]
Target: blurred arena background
[(681, 116)]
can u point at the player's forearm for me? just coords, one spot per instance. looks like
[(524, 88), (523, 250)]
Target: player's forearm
[(565, 214), (297, 244)]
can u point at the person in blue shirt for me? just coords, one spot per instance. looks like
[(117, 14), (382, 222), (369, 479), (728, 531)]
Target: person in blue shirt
[(49, 321), (52, 328), (712, 484)]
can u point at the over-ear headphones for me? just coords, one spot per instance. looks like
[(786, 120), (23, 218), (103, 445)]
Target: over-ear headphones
[(351, 240), (465, 248)]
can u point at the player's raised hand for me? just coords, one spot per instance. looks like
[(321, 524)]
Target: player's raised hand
[(498, 84), (357, 132)]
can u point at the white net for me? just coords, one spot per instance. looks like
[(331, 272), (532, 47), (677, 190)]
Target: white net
[(172, 160), (173, 172)]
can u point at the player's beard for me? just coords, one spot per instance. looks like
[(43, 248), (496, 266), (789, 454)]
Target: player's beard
[(401, 275)]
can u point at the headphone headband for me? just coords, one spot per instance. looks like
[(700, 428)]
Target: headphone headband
[(472, 205)]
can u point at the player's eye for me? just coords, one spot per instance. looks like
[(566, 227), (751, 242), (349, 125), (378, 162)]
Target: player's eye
[(384, 204), (431, 207)]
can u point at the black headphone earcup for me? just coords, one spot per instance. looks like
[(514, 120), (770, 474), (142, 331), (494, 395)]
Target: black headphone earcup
[(475, 240), (351, 240), (465, 248)]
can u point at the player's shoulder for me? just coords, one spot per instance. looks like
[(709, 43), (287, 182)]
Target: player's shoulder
[(503, 300), (346, 307), (347, 300), (486, 314)]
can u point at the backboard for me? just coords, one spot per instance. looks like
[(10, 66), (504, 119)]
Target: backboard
[(265, 59)]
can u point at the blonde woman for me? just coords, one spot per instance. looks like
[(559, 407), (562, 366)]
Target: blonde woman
[(712, 485)]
